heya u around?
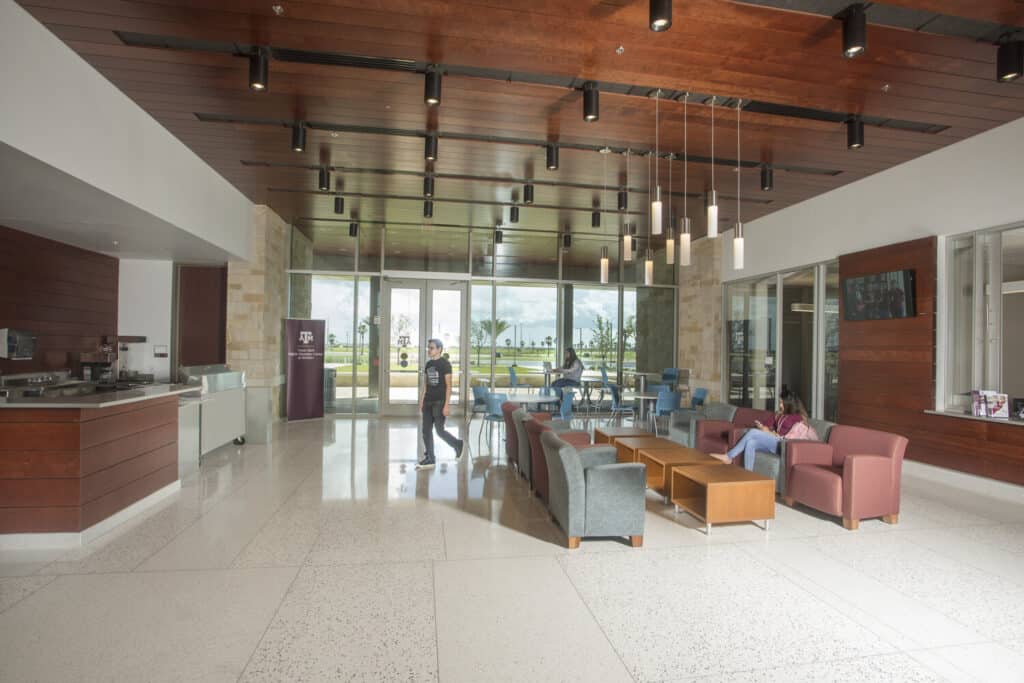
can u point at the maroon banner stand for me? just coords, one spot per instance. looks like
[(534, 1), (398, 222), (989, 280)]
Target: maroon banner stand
[(304, 346)]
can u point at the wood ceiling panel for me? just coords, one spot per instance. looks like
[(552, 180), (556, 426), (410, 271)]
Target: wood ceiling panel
[(714, 46)]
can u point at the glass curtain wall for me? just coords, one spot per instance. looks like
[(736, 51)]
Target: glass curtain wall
[(528, 314), (483, 333), (594, 316), (627, 355)]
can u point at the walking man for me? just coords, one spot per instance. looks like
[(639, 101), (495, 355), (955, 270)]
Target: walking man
[(437, 393)]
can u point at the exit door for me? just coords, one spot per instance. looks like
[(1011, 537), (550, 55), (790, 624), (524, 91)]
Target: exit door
[(414, 311)]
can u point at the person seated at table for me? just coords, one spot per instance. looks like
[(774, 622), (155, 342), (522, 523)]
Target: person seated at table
[(571, 372), (789, 422)]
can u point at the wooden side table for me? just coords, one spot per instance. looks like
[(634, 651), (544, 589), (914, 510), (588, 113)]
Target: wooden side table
[(661, 461), (716, 494), (609, 434), (627, 446)]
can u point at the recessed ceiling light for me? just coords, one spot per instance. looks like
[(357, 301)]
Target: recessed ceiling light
[(278, 9)]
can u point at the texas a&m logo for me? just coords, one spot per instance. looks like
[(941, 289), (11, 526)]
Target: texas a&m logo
[(305, 337)]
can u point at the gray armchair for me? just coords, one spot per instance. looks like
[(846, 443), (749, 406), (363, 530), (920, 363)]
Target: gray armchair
[(592, 495), (773, 465), (682, 427)]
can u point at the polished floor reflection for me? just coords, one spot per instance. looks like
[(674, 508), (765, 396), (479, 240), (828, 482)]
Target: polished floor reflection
[(327, 556)]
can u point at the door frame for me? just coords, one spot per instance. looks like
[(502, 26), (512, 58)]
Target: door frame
[(426, 286)]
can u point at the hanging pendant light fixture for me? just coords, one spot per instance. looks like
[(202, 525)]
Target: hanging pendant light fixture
[(1009, 59), (324, 180), (649, 268), (656, 204), (528, 194), (767, 178), (712, 197), (299, 137), (854, 133), (258, 69), (684, 222), (552, 156), (604, 265), (432, 86), (430, 147), (627, 237), (737, 234), (670, 240), (353, 230), (498, 236), (339, 205), (513, 214), (591, 102), (428, 186), (428, 209)]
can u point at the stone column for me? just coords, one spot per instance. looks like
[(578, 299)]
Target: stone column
[(700, 317), (257, 303)]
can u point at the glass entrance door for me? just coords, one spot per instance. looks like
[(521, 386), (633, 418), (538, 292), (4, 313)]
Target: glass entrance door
[(413, 312)]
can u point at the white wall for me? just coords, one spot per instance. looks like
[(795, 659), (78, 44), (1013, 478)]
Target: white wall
[(61, 111), (970, 185), (144, 299)]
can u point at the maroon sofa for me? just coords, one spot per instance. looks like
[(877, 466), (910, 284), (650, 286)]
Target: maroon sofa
[(718, 436), (538, 463), (855, 475)]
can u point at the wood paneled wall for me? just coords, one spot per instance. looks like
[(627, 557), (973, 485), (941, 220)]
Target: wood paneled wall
[(887, 376), (202, 315), (66, 296)]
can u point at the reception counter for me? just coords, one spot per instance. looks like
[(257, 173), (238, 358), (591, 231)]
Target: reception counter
[(68, 464)]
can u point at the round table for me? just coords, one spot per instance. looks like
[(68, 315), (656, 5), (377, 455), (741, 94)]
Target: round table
[(538, 399), (641, 403)]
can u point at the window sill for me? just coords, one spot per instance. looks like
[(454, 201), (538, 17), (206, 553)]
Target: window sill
[(965, 416)]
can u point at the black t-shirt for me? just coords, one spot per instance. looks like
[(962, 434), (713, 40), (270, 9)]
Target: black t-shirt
[(435, 370)]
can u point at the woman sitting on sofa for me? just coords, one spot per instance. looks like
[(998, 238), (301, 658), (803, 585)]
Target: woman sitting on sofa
[(789, 423)]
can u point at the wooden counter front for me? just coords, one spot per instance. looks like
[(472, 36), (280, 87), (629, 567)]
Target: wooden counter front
[(65, 469)]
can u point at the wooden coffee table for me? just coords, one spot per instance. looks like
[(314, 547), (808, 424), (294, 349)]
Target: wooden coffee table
[(660, 462), (716, 494), (627, 446), (609, 434)]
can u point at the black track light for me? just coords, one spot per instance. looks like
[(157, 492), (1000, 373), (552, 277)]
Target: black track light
[(528, 194), (299, 137), (661, 15), (428, 186), (767, 178), (552, 157), (498, 237), (1010, 61), (430, 148), (325, 180), (353, 229), (258, 69), (591, 101), (566, 241), (855, 30), (513, 214), (623, 200), (432, 87), (595, 219), (339, 205), (854, 133), (428, 209)]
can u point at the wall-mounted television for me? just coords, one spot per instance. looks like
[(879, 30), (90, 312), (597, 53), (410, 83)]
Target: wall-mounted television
[(881, 296)]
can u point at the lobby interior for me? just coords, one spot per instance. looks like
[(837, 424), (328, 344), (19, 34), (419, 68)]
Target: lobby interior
[(708, 186)]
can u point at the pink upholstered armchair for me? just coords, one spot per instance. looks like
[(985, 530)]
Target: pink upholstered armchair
[(856, 475), (717, 436)]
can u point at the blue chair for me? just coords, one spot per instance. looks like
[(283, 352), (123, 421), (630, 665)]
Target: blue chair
[(492, 416), (699, 396), (514, 382), (670, 376), (666, 402), (565, 409), (479, 403), (618, 407)]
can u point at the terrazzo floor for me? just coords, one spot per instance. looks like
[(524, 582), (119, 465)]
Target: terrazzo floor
[(326, 556)]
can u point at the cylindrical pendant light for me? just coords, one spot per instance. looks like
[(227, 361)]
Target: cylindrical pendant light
[(591, 103), (661, 15), (855, 31), (258, 69), (855, 133), (528, 194), (428, 209), (656, 212), (353, 229), (623, 200), (627, 244), (656, 204), (684, 242), (566, 241), (324, 179), (430, 147), (604, 265), (552, 154), (737, 247), (432, 86), (737, 231), (498, 237), (1009, 60), (513, 214), (299, 137), (767, 178), (595, 219), (670, 248), (649, 268), (712, 196), (428, 186), (339, 205)]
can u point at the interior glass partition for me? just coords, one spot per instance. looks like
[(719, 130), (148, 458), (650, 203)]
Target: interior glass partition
[(798, 325), (830, 363), (530, 315), (750, 343)]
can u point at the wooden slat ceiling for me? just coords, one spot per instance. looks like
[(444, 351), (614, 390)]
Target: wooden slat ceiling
[(727, 49)]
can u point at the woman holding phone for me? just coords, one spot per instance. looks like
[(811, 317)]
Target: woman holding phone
[(788, 423)]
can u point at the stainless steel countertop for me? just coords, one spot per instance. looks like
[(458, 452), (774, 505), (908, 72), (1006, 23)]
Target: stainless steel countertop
[(101, 400)]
